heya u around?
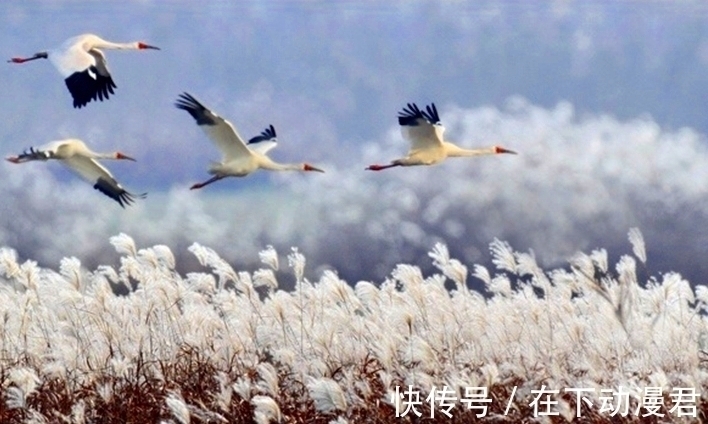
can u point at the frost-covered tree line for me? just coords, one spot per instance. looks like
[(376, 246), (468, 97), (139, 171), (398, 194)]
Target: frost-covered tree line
[(226, 345)]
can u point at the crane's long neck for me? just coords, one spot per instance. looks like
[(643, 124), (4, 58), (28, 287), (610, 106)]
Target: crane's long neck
[(103, 44), (111, 155), (99, 155), (266, 163), (275, 166), (100, 43), (456, 151)]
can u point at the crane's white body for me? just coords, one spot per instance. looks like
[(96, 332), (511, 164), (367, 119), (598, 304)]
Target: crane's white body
[(73, 55), (425, 133), (76, 156), (83, 65), (239, 158)]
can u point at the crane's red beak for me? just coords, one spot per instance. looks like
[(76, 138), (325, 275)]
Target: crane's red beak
[(308, 167), (143, 46), (13, 159), (120, 155), (498, 150)]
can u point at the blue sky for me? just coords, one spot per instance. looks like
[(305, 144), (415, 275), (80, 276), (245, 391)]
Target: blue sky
[(604, 101)]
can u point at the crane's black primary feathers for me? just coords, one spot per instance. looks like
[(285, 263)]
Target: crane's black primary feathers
[(411, 114), (201, 114), (113, 190), (89, 85), (266, 135), (105, 86), (34, 154), (431, 114)]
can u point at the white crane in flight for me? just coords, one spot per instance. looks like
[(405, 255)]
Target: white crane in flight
[(239, 158), (83, 65), (425, 132), (74, 154)]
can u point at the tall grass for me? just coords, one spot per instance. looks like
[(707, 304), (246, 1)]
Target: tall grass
[(228, 346)]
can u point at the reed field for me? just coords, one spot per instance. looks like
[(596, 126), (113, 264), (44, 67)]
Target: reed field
[(222, 345)]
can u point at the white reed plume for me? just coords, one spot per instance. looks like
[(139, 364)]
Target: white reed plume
[(208, 257), (269, 257), (503, 255), (124, 244), (78, 412), (26, 379), (15, 398), (243, 387), (451, 268), (638, 246), (367, 293), (70, 269), (268, 383), (8, 263), (327, 395), (296, 261), (266, 410), (224, 395), (178, 407), (265, 278), (500, 284)]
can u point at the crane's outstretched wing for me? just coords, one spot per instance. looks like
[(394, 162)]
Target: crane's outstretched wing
[(264, 142), (85, 73), (30, 155), (102, 179), (422, 128), (45, 152), (104, 81), (219, 130)]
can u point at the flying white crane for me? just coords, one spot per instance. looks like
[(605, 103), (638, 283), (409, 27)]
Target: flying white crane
[(74, 154), (84, 67), (425, 132), (238, 157)]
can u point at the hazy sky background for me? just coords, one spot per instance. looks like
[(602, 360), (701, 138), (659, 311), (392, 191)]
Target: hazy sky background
[(605, 101)]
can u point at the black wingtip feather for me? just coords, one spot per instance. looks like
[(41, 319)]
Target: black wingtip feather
[(89, 85), (34, 154), (106, 86), (117, 193), (199, 112), (432, 114), (265, 135), (411, 114)]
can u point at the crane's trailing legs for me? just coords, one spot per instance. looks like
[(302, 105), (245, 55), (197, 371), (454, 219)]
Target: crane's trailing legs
[(382, 167), (40, 55), (207, 182)]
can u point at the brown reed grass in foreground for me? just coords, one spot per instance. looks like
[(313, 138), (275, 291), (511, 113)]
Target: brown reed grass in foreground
[(225, 346)]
